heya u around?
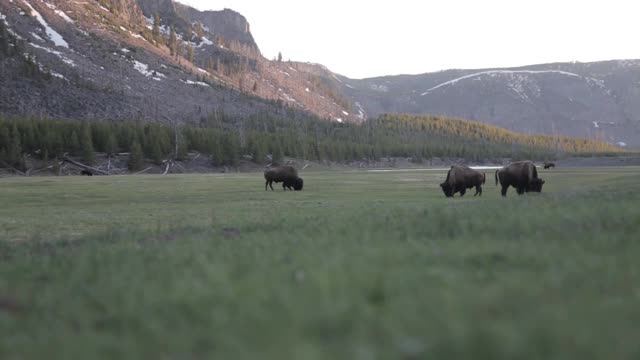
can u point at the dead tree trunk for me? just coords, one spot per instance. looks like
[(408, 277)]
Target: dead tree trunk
[(85, 167), (47, 168)]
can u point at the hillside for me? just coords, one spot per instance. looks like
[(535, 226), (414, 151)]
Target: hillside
[(147, 59), (159, 60), (595, 100)]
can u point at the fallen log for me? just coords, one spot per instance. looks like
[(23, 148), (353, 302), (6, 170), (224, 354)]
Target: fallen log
[(22, 173), (140, 172), (85, 167), (47, 168)]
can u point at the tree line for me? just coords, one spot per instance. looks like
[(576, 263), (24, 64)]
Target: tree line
[(265, 138)]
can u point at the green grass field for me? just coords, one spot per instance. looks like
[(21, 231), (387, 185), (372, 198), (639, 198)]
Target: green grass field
[(359, 265)]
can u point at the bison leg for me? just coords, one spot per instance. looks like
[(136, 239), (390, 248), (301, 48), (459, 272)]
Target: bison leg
[(462, 192), (520, 190), (503, 192), (271, 184), (478, 190), (266, 183)]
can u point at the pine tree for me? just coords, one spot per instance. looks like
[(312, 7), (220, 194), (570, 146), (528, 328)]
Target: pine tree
[(14, 151), (172, 42), (74, 143), (112, 144), (86, 144), (156, 29), (229, 149), (214, 148), (190, 53), (4, 39), (279, 57), (199, 30), (276, 153), (136, 160), (156, 151)]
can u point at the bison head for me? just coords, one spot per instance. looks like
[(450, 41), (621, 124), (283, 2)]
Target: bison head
[(297, 184), (447, 189), (535, 185)]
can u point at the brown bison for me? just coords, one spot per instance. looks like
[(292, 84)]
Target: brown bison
[(461, 178), (548, 165), (285, 174), (522, 175)]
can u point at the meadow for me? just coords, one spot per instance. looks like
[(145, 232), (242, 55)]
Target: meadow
[(358, 265)]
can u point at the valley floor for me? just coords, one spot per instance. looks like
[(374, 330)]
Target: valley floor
[(358, 265)]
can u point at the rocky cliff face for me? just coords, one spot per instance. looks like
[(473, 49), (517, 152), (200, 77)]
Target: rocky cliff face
[(226, 23)]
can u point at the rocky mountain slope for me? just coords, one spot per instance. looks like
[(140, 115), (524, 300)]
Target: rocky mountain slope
[(147, 59), (596, 100)]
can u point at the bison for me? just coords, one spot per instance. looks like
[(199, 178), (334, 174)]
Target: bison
[(522, 175), (548, 165), (285, 174), (461, 178), (86, 172)]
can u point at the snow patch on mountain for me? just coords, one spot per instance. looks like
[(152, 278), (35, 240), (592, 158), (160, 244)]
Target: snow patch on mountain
[(62, 57), (144, 70), (494, 73), (60, 13), (53, 35), (131, 33), (382, 88), (361, 113), (3, 19), (199, 83), (204, 41), (37, 37)]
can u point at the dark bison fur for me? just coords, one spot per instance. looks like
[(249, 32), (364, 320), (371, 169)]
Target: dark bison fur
[(548, 165), (522, 175), (461, 178), (285, 174), (86, 172)]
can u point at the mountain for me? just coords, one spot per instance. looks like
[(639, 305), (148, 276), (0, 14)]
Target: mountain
[(599, 100), (118, 59), (159, 60)]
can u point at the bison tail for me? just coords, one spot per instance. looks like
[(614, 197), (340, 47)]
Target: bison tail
[(497, 171), (484, 178)]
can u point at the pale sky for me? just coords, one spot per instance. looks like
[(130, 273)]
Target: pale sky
[(359, 38)]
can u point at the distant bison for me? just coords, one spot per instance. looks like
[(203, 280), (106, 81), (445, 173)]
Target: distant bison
[(86, 172), (522, 175), (285, 174), (548, 165), (461, 178)]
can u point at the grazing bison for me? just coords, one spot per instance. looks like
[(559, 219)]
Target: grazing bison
[(285, 174), (522, 175), (548, 165), (461, 178), (86, 172)]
